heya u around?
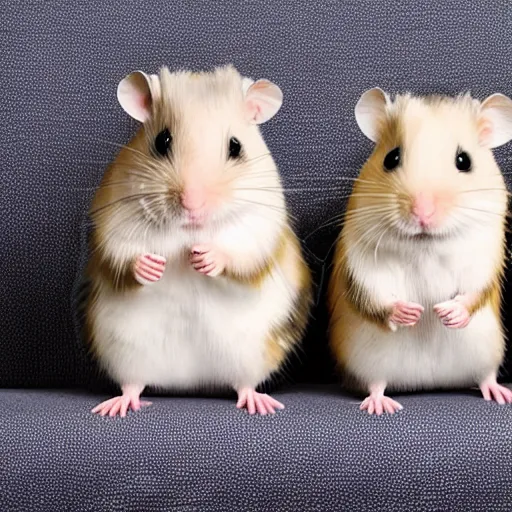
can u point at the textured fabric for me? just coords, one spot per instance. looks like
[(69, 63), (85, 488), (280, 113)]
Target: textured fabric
[(61, 62), (448, 452)]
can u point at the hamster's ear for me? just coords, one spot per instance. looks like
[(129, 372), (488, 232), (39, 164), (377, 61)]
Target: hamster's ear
[(371, 112), (495, 122), (246, 83), (262, 100), (135, 94)]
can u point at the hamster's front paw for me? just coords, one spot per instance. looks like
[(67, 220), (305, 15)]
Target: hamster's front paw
[(149, 268), (207, 260), (453, 313), (404, 313)]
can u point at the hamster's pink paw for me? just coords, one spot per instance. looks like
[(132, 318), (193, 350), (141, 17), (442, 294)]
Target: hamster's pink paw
[(149, 268), (405, 313), (453, 313), (257, 402), (379, 405), (130, 399), (207, 260), (491, 390)]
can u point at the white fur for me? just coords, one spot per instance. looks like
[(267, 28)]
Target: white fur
[(188, 329), (428, 354)]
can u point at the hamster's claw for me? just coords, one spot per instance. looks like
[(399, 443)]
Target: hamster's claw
[(453, 313), (130, 399), (149, 268), (405, 313), (254, 402), (491, 390), (379, 405), (207, 260)]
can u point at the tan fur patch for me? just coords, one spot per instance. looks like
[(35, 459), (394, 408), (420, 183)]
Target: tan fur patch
[(283, 338)]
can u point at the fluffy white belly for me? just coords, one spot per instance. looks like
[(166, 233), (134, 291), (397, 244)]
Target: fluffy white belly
[(190, 330), (428, 355)]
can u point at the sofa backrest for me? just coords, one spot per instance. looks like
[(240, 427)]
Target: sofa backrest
[(61, 125)]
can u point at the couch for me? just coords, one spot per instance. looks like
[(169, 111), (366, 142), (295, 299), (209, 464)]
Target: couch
[(61, 125)]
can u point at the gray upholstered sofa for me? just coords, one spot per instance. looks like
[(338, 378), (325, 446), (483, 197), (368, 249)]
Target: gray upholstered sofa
[(60, 126)]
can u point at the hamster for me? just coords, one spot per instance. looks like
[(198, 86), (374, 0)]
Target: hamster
[(415, 291), (197, 277)]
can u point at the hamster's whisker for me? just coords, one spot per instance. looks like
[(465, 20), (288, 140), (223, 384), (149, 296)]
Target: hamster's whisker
[(122, 200), (336, 220), (343, 218), (110, 185), (374, 234), (356, 213), (152, 172), (478, 210), (276, 190), (373, 194), (266, 205), (485, 190), (369, 236), (365, 222), (246, 175), (255, 159), (352, 216), (116, 144), (378, 243), (263, 213), (356, 194)]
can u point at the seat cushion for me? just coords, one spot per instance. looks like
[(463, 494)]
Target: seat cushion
[(444, 451)]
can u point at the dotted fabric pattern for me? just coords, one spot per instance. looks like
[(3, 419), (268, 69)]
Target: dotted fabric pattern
[(443, 452)]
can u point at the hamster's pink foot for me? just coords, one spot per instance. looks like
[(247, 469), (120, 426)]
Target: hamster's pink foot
[(405, 313), (207, 260), (149, 268), (453, 313), (377, 403), (130, 399), (257, 402), (491, 390)]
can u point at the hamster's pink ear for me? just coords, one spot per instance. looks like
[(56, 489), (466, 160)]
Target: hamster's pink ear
[(134, 94), (495, 122), (371, 112), (262, 100)]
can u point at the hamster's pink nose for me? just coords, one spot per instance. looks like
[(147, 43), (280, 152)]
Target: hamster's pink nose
[(424, 209), (193, 200)]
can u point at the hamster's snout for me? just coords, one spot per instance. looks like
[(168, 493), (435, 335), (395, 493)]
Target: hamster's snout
[(424, 209), (193, 201)]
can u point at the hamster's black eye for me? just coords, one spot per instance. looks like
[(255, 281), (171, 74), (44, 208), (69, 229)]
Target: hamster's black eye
[(234, 148), (392, 160), (163, 142), (463, 161)]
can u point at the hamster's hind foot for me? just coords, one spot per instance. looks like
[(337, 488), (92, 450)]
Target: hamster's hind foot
[(257, 402), (491, 390), (130, 399), (377, 403)]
